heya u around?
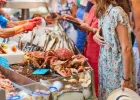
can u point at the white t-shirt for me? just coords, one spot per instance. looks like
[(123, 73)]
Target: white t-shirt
[(83, 2)]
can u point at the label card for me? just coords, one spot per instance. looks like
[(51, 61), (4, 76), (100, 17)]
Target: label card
[(30, 47), (40, 71), (4, 62)]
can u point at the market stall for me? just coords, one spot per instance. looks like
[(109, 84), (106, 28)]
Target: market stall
[(57, 64), (48, 67)]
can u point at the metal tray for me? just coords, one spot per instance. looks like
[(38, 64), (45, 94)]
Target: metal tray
[(15, 77)]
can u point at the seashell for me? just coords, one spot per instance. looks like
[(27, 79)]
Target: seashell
[(74, 71), (68, 86), (65, 80), (80, 69), (81, 80), (72, 81)]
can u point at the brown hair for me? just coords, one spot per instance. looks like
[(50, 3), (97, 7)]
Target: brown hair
[(102, 4), (36, 15)]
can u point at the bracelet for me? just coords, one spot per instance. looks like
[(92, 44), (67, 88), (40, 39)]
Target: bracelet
[(126, 79)]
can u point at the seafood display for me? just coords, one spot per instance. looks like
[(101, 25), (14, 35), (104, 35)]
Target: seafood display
[(5, 84), (68, 71), (62, 61), (27, 71), (51, 38)]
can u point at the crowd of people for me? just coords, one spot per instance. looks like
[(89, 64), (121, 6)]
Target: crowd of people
[(106, 36), (102, 30)]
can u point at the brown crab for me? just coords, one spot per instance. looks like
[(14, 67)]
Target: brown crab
[(61, 61)]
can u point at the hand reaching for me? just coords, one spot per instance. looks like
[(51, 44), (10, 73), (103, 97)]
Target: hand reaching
[(29, 26), (66, 16), (36, 20)]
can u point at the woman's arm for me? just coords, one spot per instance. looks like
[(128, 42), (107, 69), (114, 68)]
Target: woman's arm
[(73, 10), (85, 27), (123, 36)]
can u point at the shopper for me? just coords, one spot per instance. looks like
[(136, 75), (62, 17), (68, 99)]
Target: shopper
[(81, 35), (67, 7), (116, 63), (91, 50)]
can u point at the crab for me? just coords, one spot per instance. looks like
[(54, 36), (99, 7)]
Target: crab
[(73, 65), (63, 53), (62, 61), (51, 57)]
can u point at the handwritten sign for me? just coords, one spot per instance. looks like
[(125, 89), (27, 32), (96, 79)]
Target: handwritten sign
[(31, 47), (4, 62), (40, 71)]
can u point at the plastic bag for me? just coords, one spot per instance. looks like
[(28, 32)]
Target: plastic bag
[(26, 37)]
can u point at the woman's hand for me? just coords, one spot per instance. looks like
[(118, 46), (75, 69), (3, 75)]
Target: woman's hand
[(98, 39), (125, 84), (66, 16)]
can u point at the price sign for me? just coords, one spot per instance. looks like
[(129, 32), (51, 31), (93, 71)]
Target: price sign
[(40, 71), (4, 62), (30, 47)]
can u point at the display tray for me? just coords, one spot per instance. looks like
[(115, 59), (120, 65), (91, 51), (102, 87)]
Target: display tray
[(27, 71), (16, 77)]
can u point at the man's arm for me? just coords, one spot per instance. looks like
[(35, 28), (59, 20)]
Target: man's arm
[(136, 12), (9, 32)]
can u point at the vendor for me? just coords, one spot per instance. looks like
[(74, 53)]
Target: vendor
[(14, 28)]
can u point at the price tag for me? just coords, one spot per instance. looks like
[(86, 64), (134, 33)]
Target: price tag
[(30, 47), (4, 62), (40, 71)]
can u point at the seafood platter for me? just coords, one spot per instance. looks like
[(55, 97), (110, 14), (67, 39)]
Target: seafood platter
[(56, 71)]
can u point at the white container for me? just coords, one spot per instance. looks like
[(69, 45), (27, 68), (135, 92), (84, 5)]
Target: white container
[(37, 96), (58, 85), (24, 96), (87, 92), (54, 92), (46, 97)]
